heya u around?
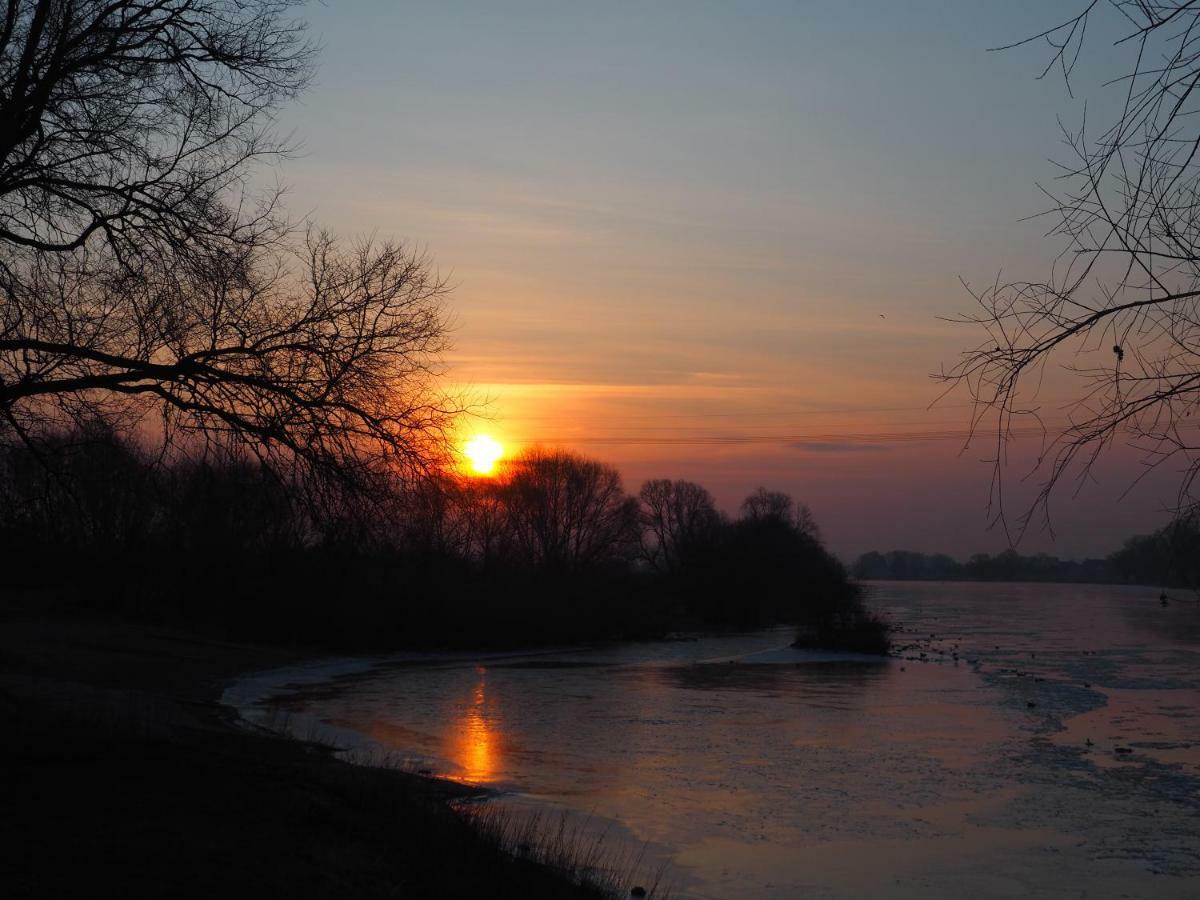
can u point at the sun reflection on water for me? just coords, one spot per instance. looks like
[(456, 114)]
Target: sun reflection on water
[(473, 742)]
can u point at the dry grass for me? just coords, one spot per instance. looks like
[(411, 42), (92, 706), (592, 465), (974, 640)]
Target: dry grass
[(124, 778), (574, 847), (578, 849)]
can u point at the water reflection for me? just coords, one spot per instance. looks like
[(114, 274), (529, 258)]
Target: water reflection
[(995, 773), (1179, 621), (843, 678), (473, 741)]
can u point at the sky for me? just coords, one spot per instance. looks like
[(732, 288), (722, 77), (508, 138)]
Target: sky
[(719, 241)]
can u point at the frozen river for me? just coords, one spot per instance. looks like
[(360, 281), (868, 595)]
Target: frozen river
[(1057, 756)]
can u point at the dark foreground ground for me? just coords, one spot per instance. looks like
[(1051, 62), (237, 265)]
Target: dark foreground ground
[(122, 776)]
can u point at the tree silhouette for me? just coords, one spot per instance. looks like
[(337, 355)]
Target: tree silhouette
[(678, 518), (567, 512), (764, 504), (1120, 310), (139, 276), (130, 120)]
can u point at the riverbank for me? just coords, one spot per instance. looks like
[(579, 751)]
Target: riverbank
[(125, 777), (1056, 755)]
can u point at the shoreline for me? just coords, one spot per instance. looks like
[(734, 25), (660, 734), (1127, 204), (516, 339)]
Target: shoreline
[(121, 747)]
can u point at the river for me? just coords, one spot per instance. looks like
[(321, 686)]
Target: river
[(1032, 740)]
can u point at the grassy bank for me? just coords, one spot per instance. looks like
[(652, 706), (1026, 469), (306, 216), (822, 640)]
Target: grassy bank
[(124, 777)]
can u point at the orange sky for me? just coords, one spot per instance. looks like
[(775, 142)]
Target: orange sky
[(697, 243)]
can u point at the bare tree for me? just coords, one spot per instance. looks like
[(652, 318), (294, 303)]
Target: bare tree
[(676, 516), (486, 533), (1119, 312), (764, 505), (100, 495), (138, 277), (219, 508), (130, 120), (569, 512), (317, 367), (806, 522)]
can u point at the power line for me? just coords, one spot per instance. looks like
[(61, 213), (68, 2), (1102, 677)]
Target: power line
[(865, 438), (832, 411)]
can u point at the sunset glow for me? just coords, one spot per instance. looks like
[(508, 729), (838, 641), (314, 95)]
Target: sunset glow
[(583, 450), (482, 453), (472, 744), (691, 296)]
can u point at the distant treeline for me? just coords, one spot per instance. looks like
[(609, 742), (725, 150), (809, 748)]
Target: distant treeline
[(1169, 557), (908, 565), (553, 549)]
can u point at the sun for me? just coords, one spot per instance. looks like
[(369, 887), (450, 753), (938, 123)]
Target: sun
[(483, 452)]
